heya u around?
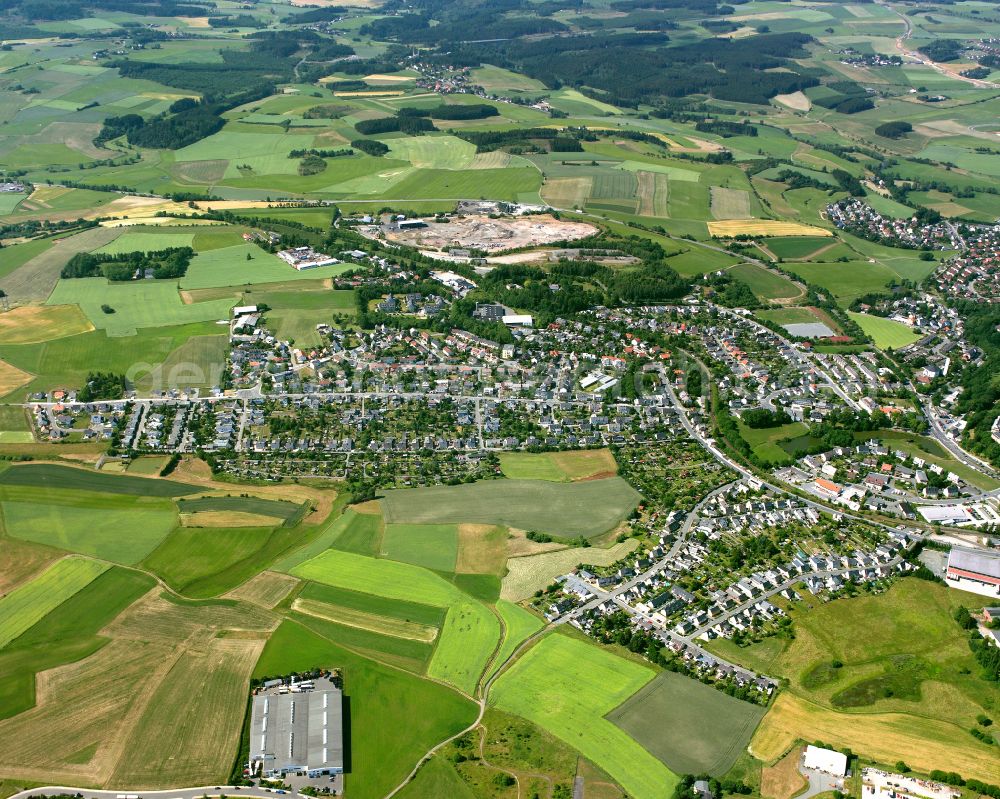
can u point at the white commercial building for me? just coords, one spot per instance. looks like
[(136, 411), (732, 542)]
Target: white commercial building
[(828, 761)]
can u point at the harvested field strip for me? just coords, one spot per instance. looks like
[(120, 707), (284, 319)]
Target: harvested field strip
[(661, 197), (231, 518), (482, 549), (31, 324), (646, 192), (763, 227), (29, 603), (191, 726), (783, 780), (885, 737), (265, 590), (397, 628), (12, 378), (567, 192)]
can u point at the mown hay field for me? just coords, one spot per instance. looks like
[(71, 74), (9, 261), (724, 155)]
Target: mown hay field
[(726, 228)]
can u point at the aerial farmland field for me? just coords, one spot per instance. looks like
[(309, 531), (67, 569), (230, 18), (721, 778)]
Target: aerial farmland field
[(389, 467), (566, 686), (586, 508), (29, 603)]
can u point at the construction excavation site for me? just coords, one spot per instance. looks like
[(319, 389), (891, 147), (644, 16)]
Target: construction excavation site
[(483, 233)]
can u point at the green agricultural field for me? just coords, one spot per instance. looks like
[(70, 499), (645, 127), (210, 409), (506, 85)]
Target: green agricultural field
[(717, 726), (765, 284), (17, 255), (437, 777), (845, 281), (136, 305), (567, 686), (361, 534), (34, 280), (68, 633), (789, 316), (197, 363), (518, 626), (207, 561), (229, 266), (497, 79), (386, 609), (886, 333), (385, 578), (51, 475), (468, 639), (328, 532), (148, 358), (797, 248), (395, 717), (454, 659), (121, 528), (586, 508), (395, 650), (513, 183), (433, 546), (29, 603), (9, 202), (255, 505), (434, 152), (558, 467), (146, 242)]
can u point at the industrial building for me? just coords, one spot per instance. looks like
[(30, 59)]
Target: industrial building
[(297, 729), (974, 570), (829, 761)]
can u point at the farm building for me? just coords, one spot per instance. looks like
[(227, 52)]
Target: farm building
[(829, 761), (305, 258), (974, 570), (297, 730)]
